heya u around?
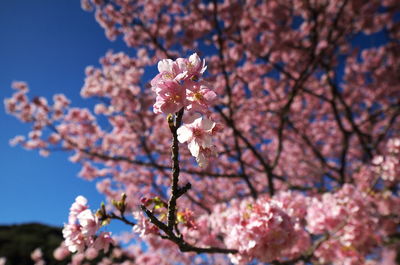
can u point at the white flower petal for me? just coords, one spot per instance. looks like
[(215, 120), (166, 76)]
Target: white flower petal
[(194, 148), (184, 134), (81, 200), (202, 160), (165, 65), (204, 68), (194, 59), (191, 117), (181, 76), (181, 65), (207, 124)]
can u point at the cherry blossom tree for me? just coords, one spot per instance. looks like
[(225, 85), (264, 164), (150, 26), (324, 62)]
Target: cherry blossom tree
[(269, 134)]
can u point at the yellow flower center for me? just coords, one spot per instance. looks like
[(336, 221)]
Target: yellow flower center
[(198, 96), (176, 98), (168, 76)]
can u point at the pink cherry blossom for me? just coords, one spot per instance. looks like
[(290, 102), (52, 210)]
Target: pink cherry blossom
[(89, 223), (170, 70), (37, 256), (103, 241), (91, 253), (81, 231), (199, 96), (300, 103), (259, 230), (388, 166), (143, 226), (171, 97), (198, 135), (77, 207), (193, 66), (174, 81), (61, 252), (74, 239)]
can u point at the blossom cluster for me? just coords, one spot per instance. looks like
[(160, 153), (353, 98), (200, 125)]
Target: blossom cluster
[(348, 216), (284, 226), (80, 231), (179, 86), (296, 119), (388, 166), (260, 229)]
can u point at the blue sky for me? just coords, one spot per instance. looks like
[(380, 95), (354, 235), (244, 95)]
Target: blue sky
[(48, 44)]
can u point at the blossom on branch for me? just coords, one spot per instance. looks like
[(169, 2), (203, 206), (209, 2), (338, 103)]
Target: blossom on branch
[(310, 116), (176, 86), (258, 229), (171, 97), (199, 96), (198, 135), (193, 66), (80, 231), (77, 207)]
